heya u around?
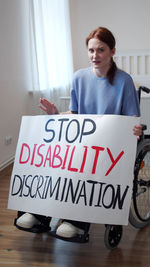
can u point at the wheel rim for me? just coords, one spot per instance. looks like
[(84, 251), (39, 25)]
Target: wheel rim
[(141, 190)]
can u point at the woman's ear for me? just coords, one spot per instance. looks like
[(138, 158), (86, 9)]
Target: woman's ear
[(113, 51)]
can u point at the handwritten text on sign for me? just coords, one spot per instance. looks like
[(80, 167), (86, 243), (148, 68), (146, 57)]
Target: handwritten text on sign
[(75, 166)]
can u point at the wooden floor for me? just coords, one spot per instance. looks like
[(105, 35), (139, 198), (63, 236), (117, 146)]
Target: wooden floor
[(19, 248)]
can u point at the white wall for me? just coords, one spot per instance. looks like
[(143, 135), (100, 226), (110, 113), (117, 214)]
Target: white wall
[(15, 100), (129, 21)]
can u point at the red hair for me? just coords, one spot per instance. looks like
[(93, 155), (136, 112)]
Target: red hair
[(106, 36)]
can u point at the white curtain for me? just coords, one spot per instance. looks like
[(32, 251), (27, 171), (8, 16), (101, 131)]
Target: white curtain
[(51, 56)]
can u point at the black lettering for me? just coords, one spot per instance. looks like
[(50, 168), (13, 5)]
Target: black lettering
[(39, 185), (109, 186), (83, 132), (63, 191), (61, 126), (72, 191), (118, 197), (23, 180), (33, 187), (77, 131), (82, 194), (92, 191), (28, 186), (52, 188), (100, 195), (45, 186), (50, 131), (14, 190)]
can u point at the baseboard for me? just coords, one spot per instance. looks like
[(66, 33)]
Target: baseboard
[(6, 163)]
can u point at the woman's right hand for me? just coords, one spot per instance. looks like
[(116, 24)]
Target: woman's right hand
[(48, 107)]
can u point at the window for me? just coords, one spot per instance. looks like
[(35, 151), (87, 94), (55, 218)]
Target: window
[(52, 65)]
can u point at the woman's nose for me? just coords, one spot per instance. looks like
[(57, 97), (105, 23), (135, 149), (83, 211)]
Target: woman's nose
[(95, 54)]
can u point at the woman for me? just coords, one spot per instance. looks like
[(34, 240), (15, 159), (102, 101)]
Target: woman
[(99, 89)]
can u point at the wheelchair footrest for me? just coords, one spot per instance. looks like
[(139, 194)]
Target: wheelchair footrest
[(38, 228), (84, 238)]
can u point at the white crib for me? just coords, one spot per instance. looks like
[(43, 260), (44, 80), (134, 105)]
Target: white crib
[(137, 64)]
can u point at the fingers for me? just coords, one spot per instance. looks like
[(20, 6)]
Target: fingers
[(137, 130), (41, 107), (42, 100), (48, 107), (45, 102)]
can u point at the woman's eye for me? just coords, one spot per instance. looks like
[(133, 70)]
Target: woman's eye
[(100, 50)]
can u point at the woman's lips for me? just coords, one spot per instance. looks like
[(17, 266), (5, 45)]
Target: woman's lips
[(96, 62)]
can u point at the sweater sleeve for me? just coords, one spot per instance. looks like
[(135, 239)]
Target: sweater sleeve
[(130, 103), (73, 97)]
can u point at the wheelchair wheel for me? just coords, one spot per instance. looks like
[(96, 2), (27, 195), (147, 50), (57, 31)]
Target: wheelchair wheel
[(140, 206), (112, 236)]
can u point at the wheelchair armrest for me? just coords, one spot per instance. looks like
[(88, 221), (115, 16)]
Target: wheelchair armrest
[(144, 127)]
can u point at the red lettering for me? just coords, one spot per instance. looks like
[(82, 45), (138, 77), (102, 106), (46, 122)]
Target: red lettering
[(65, 158), (56, 156), (84, 159), (114, 161), (21, 154), (48, 156), (70, 162), (33, 154), (98, 149), (41, 156)]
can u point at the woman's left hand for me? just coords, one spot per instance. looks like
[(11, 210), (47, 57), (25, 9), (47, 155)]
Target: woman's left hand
[(137, 130)]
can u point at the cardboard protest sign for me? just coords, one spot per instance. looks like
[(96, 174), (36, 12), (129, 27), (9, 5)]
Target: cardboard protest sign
[(75, 167)]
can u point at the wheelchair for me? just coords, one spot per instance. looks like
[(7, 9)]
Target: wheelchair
[(139, 215)]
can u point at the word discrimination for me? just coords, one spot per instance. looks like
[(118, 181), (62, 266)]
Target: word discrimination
[(74, 191)]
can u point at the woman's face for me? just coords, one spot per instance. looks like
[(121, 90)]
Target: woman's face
[(100, 55)]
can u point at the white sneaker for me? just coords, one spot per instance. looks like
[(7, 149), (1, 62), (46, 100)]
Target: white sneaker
[(27, 221), (67, 230)]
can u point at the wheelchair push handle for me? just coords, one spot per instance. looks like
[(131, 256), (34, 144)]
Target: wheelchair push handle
[(144, 89)]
